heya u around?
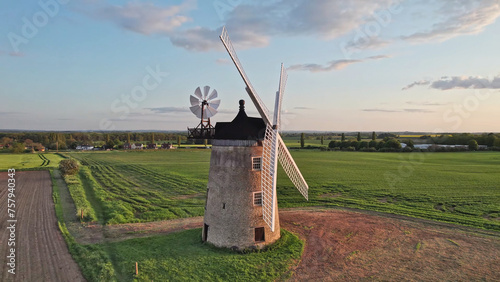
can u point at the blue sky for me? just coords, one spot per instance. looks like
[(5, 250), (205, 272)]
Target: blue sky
[(357, 65)]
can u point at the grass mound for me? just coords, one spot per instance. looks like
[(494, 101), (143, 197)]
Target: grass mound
[(183, 257)]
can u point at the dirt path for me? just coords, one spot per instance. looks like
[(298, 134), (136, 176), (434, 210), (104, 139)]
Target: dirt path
[(41, 252), (345, 245)]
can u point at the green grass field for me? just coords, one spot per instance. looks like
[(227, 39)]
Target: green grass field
[(29, 161), (146, 186), (453, 187), (183, 257)]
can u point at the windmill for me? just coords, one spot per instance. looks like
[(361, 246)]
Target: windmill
[(203, 106), (231, 220)]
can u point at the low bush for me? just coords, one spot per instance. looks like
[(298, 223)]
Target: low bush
[(69, 167)]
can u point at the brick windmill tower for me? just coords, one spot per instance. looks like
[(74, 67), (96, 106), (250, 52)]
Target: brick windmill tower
[(242, 209)]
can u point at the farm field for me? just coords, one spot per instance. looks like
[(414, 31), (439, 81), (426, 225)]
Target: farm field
[(41, 253), (157, 185), (358, 246), (143, 186), (29, 161)]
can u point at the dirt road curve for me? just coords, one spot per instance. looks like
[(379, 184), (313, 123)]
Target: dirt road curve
[(41, 252), (353, 246)]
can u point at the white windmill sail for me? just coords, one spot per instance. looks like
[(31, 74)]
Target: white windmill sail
[(270, 158), (273, 144)]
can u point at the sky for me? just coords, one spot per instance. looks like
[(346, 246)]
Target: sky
[(426, 66)]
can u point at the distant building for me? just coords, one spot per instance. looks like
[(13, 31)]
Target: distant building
[(35, 147), (166, 146), (137, 146), (85, 147)]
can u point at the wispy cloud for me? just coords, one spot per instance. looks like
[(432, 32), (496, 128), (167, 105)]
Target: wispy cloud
[(253, 23), (166, 110), (364, 43), (425, 103), (8, 113), (16, 54), (221, 61), (333, 65), (12, 54), (416, 83), (460, 82), (145, 18), (459, 17), (418, 110), (398, 111), (380, 110)]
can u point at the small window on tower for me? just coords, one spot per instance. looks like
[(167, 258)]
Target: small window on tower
[(257, 198), (256, 163)]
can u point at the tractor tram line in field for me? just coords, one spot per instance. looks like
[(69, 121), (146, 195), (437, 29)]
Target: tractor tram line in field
[(144, 195)]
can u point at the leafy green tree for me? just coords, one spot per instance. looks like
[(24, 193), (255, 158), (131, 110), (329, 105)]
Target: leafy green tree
[(473, 146), (490, 140), (359, 137), (331, 144), (374, 136), (497, 142), (128, 137), (342, 138), (380, 144), (372, 144), (387, 135), (410, 144), (363, 144), (110, 144), (354, 144), (17, 148), (178, 140), (302, 140), (344, 144), (6, 140), (393, 143), (321, 140)]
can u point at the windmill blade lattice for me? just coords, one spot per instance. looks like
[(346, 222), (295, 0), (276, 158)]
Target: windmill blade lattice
[(268, 176)]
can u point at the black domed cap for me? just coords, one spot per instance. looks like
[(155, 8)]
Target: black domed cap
[(242, 127)]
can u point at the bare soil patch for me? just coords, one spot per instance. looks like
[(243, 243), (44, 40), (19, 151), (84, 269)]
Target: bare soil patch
[(346, 245), (41, 252), (136, 230)]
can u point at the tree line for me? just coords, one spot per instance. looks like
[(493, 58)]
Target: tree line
[(391, 142), (70, 140)]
